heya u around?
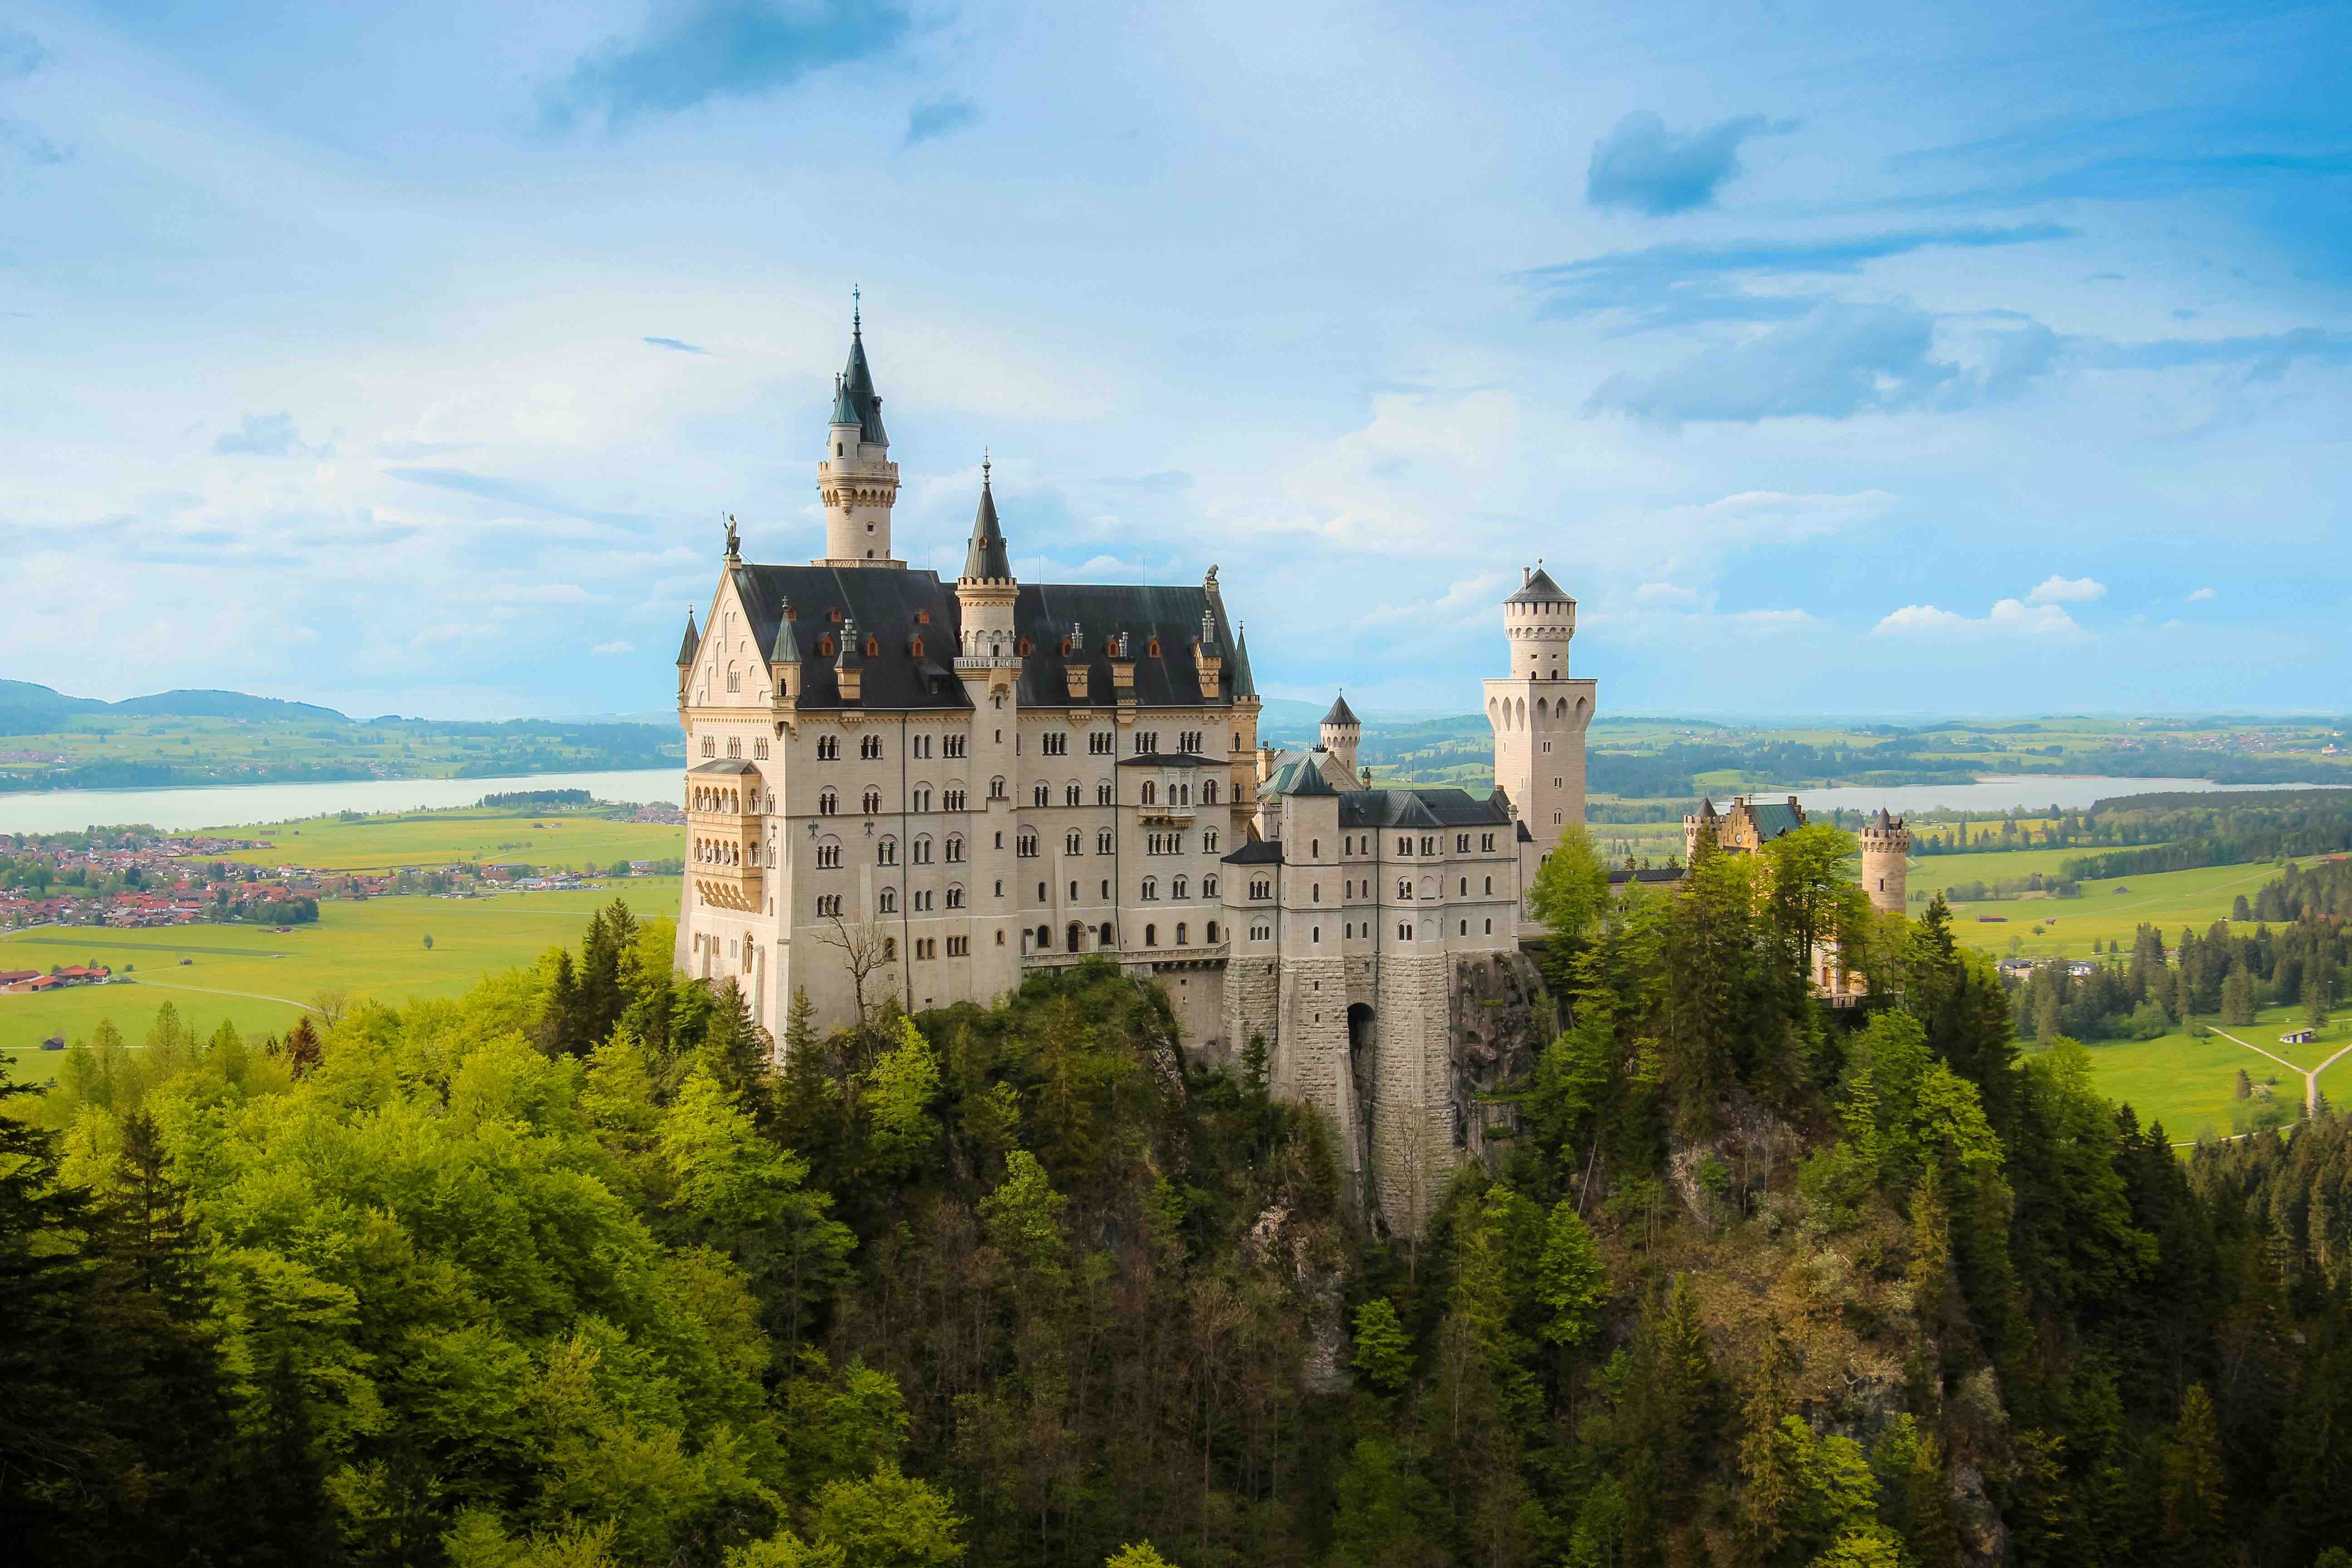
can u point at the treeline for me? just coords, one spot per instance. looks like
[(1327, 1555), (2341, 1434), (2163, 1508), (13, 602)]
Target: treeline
[(564, 1273), (178, 776), (2223, 976), (534, 797), (2225, 830)]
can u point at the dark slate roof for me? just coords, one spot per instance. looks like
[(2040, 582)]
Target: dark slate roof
[(986, 558), (1524, 837), (1420, 808), (1540, 590), (1309, 779), (1045, 611), (692, 647), (1340, 713), (1283, 780), (1256, 852), (884, 605), (730, 765), (858, 388), (1243, 683), (1169, 760), (1618, 875)]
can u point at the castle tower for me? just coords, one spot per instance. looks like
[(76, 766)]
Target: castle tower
[(988, 662), (1885, 855), (1341, 733), (1539, 714), (857, 480)]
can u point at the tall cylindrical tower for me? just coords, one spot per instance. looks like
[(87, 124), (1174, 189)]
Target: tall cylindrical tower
[(1539, 713), (857, 477), (1885, 859)]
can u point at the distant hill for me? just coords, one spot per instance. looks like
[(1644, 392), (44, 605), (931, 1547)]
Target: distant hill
[(184, 704), (26, 709)]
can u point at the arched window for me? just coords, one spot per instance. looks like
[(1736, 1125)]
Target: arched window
[(886, 852), (1073, 842), (1209, 791), (1210, 936), (1151, 887), (951, 798), (824, 646), (890, 943), (955, 848), (1070, 794), (1045, 938), (1151, 936), (996, 789), (1404, 887), (1182, 934), (915, 648), (887, 901), (873, 801), (1104, 843), (1042, 796), (734, 678), (955, 895), (1076, 936), (1102, 795), (1179, 886), (1209, 891), (1151, 792), (922, 849), (874, 647), (826, 803), (1208, 841)]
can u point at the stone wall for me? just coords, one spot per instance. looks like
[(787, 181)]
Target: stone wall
[(1498, 1020)]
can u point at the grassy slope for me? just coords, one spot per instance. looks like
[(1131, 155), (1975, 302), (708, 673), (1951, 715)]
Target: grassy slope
[(2191, 1086), (2107, 911), (257, 978)]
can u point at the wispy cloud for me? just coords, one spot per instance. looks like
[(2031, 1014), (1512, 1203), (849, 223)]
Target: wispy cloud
[(267, 435), (2057, 590), (677, 345), (937, 116), (21, 54), (516, 492), (623, 646), (723, 48), (1643, 166), (1672, 285), (2201, 595)]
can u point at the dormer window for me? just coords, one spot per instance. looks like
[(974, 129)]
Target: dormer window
[(915, 647), (824, 647), (1026, 648), (1151, 648), (835, 615), (922, 617), (873, 647)]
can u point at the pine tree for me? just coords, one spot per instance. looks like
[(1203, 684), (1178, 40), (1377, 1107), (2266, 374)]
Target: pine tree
[(562, 1031), (304, 1050), (2195, 1495)]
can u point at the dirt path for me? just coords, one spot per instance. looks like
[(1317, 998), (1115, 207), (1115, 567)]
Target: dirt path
[(2310, 1079), (212, 991)]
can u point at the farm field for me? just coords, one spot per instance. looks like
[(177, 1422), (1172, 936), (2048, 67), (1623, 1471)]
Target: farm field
[(260, 980), (427, 838), (2190, 1085), (2108, 911)]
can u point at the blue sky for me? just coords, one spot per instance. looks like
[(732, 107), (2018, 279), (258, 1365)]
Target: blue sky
[(1847, 360)]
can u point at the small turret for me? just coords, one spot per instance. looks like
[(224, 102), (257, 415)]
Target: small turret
[(1340, 733), (688, 652), (859, 482), (986, 593), (1886, 862)]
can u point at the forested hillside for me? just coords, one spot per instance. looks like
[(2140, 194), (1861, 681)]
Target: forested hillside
[(560, 1274)]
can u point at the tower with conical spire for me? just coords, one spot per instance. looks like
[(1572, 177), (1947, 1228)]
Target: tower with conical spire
[(1538, 715), (857, 477), (1340, 733), (986, 592)]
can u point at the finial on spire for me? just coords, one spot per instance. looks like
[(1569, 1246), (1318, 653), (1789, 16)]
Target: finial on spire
[(983, 468), (856, 311)]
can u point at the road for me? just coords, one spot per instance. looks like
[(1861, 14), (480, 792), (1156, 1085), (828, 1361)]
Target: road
[(2310, 1080)]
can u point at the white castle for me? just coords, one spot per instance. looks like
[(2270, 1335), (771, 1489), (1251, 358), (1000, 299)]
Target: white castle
[(900, 787)]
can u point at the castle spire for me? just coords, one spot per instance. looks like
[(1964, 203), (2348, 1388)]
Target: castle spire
[(858, 388), (986, 560), (856, 480), (692, 646)]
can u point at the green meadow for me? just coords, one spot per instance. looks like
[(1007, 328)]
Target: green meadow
[(2107, 912), (2190, 1085), (260, 980), (426, 838)]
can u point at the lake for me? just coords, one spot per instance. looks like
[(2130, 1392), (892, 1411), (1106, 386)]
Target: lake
[(228, 805), (2000, 793)]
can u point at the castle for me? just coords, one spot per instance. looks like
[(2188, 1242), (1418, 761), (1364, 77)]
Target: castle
[(901, 787), (1750, 824)]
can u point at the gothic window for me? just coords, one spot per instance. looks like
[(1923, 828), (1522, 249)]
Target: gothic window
[(1102, 795), (954, 747), (886, 852), (824, 647), (873, 801), (955, 848), (1073, 842), (1150, 888), (709, 746), (1405, 931), (1151, 936), (1180, 887), (955, 895), (1026, 845), (870, 747), (888, 901), (1151, 648), (1209, 791), (1209, 891), (1042, 796), (759, 748), (1208, 842), (1404, 845), (1151, 792), (734, 678), (952, 799), (1404, 887), (873, 646), (1181, 933), (1103, 842), (915, 648), (996, 788), (922, 849), (826, 803)]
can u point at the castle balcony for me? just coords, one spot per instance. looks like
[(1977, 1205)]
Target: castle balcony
[(1165, 811), (724, 808)]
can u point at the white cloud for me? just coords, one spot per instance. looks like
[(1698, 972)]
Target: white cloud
[(2057, 590), (2199, 596), (623, 646), (1469, 604), (1669, 595), (2011, 619)]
